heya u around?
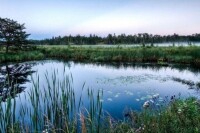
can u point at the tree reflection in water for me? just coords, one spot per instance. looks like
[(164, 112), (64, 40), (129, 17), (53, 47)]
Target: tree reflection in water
[(12, 78)]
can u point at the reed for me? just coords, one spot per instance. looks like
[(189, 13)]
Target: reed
[(53, 106)]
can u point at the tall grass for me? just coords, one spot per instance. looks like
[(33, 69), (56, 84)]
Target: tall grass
[(183, 55), (18, 56), (54, 107)]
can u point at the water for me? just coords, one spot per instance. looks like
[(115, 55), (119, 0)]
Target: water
[(123, 85), (167, 44)]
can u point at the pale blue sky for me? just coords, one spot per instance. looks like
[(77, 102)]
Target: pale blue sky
[(47, 18)]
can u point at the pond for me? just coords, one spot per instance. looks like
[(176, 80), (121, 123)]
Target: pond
[(122, 85)]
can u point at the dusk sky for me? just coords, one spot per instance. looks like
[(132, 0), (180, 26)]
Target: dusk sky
[(47, 18)]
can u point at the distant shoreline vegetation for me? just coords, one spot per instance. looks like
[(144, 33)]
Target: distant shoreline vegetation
[(141, 38)]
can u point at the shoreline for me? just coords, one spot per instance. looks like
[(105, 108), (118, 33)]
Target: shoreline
[(157, 55)]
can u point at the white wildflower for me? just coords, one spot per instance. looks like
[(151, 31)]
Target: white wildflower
[(146, 104), (179, 111)]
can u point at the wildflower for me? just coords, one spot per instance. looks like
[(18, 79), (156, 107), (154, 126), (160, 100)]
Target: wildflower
[(146, 104), (45, 131), (156, 96), (179, 111)]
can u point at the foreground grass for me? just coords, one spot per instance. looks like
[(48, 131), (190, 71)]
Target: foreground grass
[(182, 116), (54, 107), (161, 55)]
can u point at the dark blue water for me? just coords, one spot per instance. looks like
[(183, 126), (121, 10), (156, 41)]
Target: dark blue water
[(123, 85)]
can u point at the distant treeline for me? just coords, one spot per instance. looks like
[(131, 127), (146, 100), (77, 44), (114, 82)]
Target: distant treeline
[(143, 39)]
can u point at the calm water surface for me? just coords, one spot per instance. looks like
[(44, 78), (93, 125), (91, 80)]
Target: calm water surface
[(123, 85), (176, 44)]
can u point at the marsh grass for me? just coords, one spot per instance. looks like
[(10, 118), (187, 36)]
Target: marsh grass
[(160, 55), (54, 107), (140, 54), (183, 55), (18, 56)]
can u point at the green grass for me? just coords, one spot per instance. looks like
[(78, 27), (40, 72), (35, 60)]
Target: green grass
[(160, 55), (18, 56), (55, 108), (184, 55)]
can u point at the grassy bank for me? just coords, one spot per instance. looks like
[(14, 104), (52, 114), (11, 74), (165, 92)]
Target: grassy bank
[(18, 56), (55, 108), (162, 55)]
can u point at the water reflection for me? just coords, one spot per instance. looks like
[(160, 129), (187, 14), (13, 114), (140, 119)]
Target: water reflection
[(123, 84), (152, 66), (12, 78)]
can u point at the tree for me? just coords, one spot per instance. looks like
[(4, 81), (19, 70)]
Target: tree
[(12, 33), (109, 39), (12, 79)]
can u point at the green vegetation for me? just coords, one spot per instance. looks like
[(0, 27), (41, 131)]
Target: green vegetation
[(12, 34), (142, 38), (160, 55), (55, 108), (21, 56)]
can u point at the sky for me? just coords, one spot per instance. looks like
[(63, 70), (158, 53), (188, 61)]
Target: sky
[(47, 18)]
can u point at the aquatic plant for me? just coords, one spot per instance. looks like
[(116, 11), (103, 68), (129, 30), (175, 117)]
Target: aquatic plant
[(55, 108), (184, 81), (51, 108)]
